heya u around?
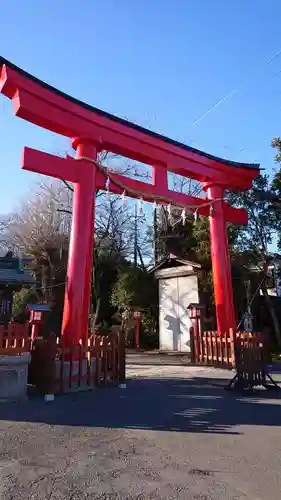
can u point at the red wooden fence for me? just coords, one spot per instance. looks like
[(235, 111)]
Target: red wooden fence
[(216, 349), (213, 348), (100, 363), (56, 367), (14, 338)]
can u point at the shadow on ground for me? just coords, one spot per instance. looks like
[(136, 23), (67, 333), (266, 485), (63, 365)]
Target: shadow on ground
[(181, 405)]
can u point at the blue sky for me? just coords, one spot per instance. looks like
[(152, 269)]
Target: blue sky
[(160, 63)]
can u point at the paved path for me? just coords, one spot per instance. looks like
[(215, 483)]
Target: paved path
[(153, 358), (150, 366), (171, 434)]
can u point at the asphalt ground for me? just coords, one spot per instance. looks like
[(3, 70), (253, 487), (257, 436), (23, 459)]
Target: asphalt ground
[(172, 433)]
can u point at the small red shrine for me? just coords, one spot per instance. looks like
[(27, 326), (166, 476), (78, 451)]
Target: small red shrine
[(93, 131)]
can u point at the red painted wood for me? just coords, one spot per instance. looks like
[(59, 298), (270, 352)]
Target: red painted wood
[(221, 264), (47, 109), (51, 110), (77, 291), (47, 164), (68, 169)]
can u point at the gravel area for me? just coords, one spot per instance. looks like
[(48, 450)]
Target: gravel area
[(173, 433)]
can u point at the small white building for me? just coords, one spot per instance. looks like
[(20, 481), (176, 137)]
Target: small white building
[(178, 287)]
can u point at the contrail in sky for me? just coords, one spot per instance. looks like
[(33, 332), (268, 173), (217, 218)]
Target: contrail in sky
[(233, 92)]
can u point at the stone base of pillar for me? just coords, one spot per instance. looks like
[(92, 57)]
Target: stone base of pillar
[(13, 377)]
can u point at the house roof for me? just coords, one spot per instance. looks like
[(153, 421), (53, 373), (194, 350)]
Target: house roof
[(12, 272), (171, 260), (271, 258), (11, 276)]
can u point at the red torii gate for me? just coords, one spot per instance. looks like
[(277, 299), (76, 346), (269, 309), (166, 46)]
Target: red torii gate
[(92, 131)]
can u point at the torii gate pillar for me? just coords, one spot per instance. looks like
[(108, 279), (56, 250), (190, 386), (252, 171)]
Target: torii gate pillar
[(78, 283), (222, 281)]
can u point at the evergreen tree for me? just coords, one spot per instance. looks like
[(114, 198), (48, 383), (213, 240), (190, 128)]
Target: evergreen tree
[(253, 241)]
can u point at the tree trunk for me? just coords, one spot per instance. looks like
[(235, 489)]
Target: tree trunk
[(96, 314)]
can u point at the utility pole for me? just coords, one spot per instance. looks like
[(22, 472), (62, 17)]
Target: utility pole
[(155, 237), (136, 237)]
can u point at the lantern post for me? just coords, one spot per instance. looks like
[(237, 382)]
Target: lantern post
[(194, 313), (36, 318), (137, 316)]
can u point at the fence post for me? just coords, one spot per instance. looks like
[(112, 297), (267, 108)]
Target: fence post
[(232, 347), (43, 365), (1, 337), (192, 345), (122, 356)]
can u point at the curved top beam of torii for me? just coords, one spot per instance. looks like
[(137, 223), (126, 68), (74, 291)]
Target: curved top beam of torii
[(43, 105)]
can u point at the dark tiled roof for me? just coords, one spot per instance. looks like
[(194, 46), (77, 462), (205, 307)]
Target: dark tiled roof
[(12, 271), (12, 276), (172, 259)]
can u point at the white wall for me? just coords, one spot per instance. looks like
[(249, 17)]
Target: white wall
[(175, 294)]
